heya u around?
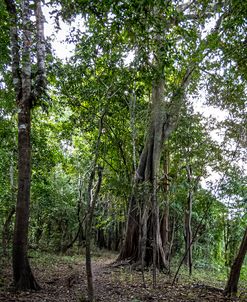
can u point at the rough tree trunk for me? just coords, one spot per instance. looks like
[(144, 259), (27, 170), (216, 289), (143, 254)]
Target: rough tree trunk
[(162, 123), (25, 97), (140, 226), (146, 172), (232, 283), (23, 277)]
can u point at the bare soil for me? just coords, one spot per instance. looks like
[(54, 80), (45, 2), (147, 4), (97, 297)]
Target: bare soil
[(63, 279)]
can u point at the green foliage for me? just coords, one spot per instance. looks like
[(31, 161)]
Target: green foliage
[(4, 33)]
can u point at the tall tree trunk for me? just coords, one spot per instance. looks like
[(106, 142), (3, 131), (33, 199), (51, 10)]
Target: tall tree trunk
[(91, 205), (192, 184), (23, 277), (146, 179), (25, 97), (232, 283), (162, 123), (146, 173), (92, 197), (187, 221), (171, 243)]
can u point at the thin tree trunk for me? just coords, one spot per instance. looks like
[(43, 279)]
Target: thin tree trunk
[(188, 232), (91, 202), (232, 283), (89, 234), (143, 241), (192, 183), (194, 239), (155, 231), (171, 243), (165, 219)]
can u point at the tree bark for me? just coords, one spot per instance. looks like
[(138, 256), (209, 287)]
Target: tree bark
[(163, 120), (23, 277), (232, 283), (25, 98), (146, 173), (146, 179)]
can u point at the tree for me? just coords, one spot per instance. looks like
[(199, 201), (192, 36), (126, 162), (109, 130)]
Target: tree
[(169, 86), (27, 96), (166, 41), (232, 283), (92, 196), (193, 152)]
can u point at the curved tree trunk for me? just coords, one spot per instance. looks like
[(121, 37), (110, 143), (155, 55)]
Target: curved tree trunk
[(232, 283)]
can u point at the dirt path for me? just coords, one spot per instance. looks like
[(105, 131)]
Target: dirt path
[(64, 280)]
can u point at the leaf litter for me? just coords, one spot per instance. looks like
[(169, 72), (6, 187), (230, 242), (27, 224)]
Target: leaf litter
[(64, 280)]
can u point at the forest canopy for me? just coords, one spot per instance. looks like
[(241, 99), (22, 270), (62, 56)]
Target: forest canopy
[(134, 142)]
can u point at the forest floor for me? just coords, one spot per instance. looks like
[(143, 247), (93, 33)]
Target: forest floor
[(63, 279)]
